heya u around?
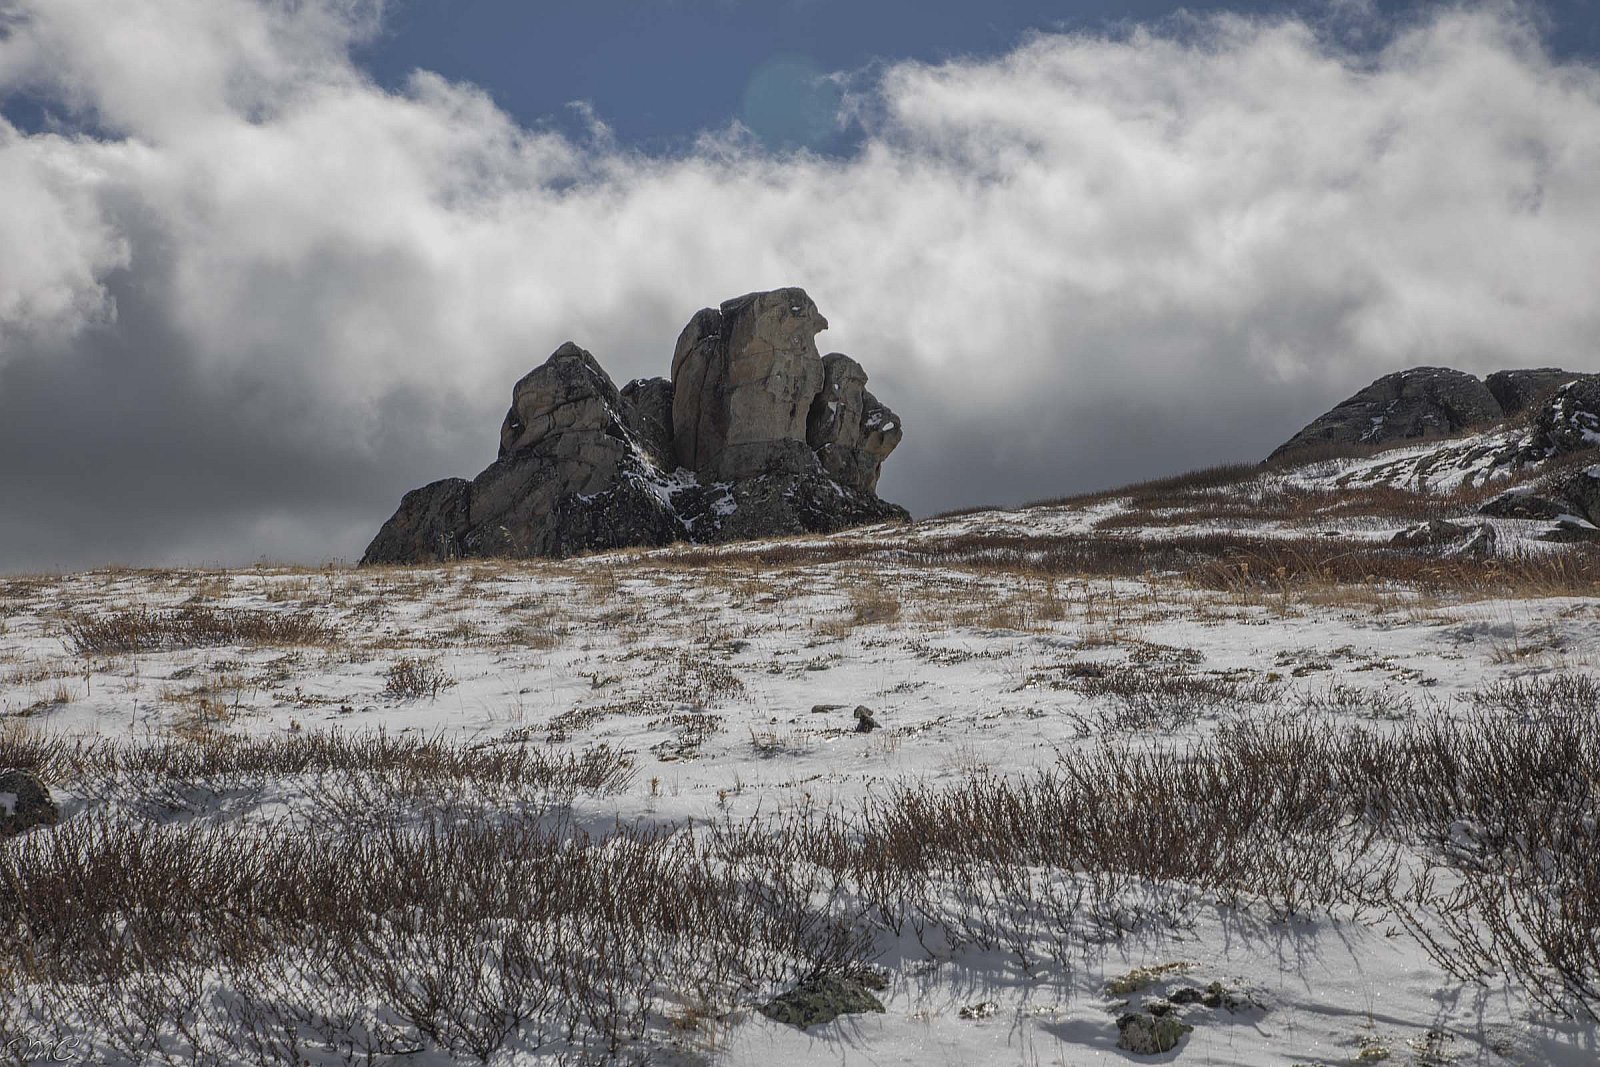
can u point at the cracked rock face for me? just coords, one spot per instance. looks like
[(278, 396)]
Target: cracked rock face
[(755, 435), (744, 376)]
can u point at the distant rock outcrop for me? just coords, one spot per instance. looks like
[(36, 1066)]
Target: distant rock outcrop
[(755, 435), (1426, 402), (1519, 390)]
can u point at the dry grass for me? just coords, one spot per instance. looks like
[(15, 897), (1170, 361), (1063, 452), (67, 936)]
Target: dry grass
[(1229, 562), (143, 630)]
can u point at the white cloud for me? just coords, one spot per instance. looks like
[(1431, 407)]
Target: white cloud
[(1089, 259)]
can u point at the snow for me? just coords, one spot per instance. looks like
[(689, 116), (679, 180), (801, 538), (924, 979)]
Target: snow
[(966, 677)]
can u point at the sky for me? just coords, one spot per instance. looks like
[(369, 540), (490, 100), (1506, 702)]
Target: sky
[(265, 265)]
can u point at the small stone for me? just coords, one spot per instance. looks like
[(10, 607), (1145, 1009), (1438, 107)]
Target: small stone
[(1219, 996), (823, 709), (986, 1009), (821, 1000), (865, 723), (1146, 1035)]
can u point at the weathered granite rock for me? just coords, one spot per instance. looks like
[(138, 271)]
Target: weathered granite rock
[(741, 443), (571, 477), (1518, 390), (1567, 424), (1570, 498), (1410, 404), (744, 376), (24, 803), (429, 526), (851, 432), (568, 392)]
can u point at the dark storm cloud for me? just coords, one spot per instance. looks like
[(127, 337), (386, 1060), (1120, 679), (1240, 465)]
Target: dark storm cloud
[(265, 297)]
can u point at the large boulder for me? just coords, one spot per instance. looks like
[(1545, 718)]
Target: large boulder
[(755, 435), (25, 803), (1411, 404)]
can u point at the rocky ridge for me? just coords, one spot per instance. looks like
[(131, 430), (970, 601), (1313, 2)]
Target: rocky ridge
[(1542, 431), (756, 434), (1426, 402)]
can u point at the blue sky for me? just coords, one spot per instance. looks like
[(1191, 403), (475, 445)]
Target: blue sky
[(265, 265), (659, 71)]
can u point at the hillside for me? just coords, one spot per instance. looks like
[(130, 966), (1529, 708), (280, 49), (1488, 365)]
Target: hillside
[(1210, 753)]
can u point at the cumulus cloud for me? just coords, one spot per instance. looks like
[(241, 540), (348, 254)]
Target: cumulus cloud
[(247, 297)]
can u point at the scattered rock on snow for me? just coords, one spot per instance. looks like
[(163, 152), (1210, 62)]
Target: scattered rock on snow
[(1145, 1034), (24, 803), (1144, 977), (865, 723), (1474, 539), (821, 1000), (986, 1009), (1571, 498)]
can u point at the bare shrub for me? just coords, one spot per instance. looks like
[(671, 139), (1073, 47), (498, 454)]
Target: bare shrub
[(107, 769), (1558, 694), (163, 944), (1167, 697), (411, 678)]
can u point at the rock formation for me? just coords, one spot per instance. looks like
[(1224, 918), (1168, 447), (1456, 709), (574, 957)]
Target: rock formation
[(1519, 390), (1564, 427), (1425, 402), (755, 435)]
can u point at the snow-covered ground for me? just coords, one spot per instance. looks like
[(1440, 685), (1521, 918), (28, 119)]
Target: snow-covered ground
[(732, 683)]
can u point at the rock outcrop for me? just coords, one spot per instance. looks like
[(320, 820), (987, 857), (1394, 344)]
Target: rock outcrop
[(1416, 403), (755, 435), (1562, 433), (1519, 390), (1426, 402)]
